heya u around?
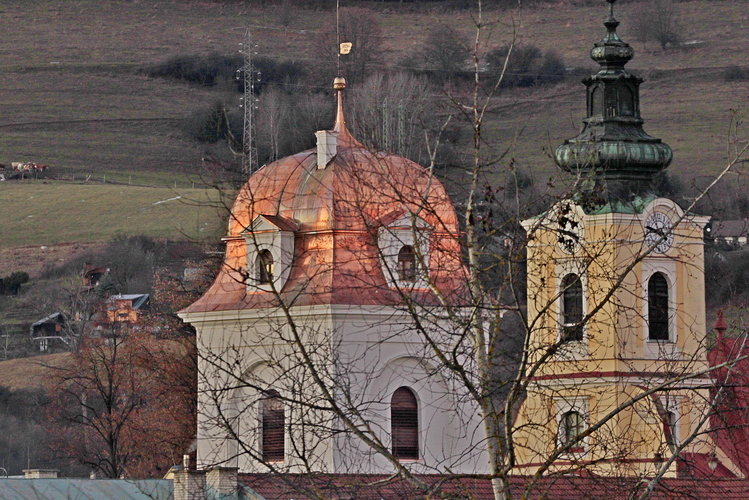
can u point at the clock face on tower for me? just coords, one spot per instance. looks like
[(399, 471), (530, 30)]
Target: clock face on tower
[(658, 232)]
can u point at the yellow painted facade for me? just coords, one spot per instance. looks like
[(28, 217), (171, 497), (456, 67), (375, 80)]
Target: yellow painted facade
[(605, 376)]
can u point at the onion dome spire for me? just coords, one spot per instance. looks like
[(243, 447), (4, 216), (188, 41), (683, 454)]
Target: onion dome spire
[(613, 144)]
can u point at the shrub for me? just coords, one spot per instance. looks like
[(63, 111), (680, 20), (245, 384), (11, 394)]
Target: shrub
[(735, 73), (445, 53), (11, 284), (213, 69), (130, 260), (526, 67), (207, 70), (214, 123), (279, 73)]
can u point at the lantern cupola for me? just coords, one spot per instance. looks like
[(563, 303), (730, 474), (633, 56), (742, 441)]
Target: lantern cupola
[(613, 144)]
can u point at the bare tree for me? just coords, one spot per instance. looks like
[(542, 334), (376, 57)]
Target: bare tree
[(446, 53), (391, 112), (273, 113), (657, 21), (115, 407)]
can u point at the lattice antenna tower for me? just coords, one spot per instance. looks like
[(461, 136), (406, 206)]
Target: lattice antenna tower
[(249, 144)]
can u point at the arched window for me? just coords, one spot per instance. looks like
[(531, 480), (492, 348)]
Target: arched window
[(572, 307), (670, 430), (272, 427), (658, 307), (407, 264), (404, 422), (264, 267), (570, 427)]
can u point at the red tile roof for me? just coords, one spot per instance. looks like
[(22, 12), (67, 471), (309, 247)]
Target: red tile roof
[(381, 487), (731, 418)]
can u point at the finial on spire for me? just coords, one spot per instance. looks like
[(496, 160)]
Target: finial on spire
[(339, 85), (612, 52), (611, 7)]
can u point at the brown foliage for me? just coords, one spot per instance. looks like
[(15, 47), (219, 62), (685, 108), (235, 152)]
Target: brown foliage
[(125, 405)]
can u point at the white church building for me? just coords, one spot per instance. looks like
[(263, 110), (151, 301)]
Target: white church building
[(340, 262)]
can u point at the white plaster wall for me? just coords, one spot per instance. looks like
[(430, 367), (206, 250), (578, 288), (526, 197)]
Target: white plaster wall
[(368, 351)]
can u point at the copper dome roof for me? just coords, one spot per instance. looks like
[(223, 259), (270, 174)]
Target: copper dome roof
[(335, 210)]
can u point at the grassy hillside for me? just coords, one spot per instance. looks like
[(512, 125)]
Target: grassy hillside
[(31, 373), (52, 213), (73, 97)]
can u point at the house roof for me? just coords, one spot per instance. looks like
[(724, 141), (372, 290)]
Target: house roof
[(730, 228), (48, 319), (383, 487), (138, 299), (86, 489), (731, 418)]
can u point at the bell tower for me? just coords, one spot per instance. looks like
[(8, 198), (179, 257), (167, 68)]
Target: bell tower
[(615, 299)]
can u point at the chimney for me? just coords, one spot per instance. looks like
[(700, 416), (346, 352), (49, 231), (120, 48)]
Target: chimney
[(222, 484), (327, 147), (188, 484), (40, 473)]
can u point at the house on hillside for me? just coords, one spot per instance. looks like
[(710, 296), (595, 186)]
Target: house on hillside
[(92, 275), (50, 332), (728, 234), (127, 308)]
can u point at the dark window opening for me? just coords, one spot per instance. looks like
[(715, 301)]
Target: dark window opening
[(572, 307), (264, 267), (669, 429), (658, 307), (404, 422), (596, 102), (626, 101), (407, 264), (572, 426), (272, 427)]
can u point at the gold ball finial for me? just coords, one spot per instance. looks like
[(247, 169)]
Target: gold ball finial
[(339, 83)]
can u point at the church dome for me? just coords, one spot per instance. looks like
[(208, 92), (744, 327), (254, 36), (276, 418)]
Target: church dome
[(343, 209)]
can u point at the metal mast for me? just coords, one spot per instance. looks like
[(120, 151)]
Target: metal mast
[(249, 146)]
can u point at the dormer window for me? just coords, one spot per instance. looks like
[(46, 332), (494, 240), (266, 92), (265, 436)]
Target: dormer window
[(270, 252), (407, 264), (264, 267), (404, 250)]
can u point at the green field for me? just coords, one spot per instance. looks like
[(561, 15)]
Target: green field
[(52, 213)]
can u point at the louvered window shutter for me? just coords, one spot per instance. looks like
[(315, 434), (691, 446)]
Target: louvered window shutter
[(404, 418), (272, 428)]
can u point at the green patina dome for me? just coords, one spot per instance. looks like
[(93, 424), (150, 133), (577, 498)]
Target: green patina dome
[(613, 144)]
